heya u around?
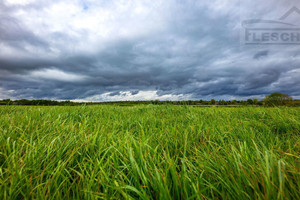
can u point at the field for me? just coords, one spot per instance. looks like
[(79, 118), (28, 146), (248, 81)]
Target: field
[(149, 152)]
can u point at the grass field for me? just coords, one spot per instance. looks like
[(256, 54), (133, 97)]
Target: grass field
[(149, 152)]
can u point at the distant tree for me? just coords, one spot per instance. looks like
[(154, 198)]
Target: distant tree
[(6, 102), (212, 102), (278, 99), (221, 102), (296, 103), (255, 101), (249, 101)]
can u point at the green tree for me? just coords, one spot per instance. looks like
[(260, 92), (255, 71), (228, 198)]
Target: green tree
[(212, 102), (222, 102), (249, 101), (255, 101), (278, 99)]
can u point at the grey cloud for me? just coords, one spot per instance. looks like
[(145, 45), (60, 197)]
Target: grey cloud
[(196, 54), (134, 92), (261, 54), (114, 93), (14, 34)]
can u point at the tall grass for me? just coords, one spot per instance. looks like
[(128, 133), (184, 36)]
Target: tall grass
[(149, 152)]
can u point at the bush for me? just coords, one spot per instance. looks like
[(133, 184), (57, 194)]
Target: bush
[(278, 99)]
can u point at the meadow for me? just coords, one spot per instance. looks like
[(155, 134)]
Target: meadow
[(149, 152)]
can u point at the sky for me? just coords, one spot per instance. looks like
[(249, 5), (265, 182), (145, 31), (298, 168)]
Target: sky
[(99, 50)]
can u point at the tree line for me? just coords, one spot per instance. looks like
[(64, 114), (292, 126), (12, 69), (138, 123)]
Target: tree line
[(40, 102), (274, 99)]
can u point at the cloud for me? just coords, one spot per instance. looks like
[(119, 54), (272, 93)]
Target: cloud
[(128, 96), (54, 74), (119, 50), (261, 54)]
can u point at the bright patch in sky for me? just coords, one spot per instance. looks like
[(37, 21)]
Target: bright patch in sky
[(132, 96), (19, 2), (53, 74)]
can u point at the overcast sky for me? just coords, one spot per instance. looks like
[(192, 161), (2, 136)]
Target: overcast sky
[(100, 50)]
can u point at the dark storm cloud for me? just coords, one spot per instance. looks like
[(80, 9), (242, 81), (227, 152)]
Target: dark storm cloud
[(184, 48)]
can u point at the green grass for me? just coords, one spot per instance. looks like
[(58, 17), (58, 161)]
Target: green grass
[(149, 152)]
